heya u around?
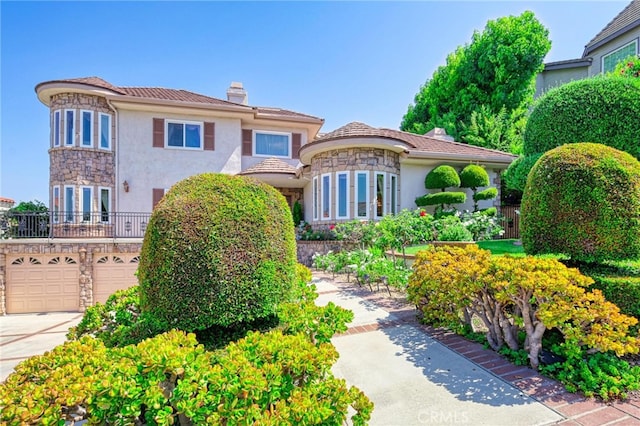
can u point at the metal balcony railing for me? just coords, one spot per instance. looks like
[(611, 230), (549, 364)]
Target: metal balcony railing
[(73, 224)]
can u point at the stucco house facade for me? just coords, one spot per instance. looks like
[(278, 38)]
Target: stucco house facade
[(118, 149), (619, 39)]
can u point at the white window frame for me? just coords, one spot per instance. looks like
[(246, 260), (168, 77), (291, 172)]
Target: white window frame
[(325, 205), (82, 130), (108, 212), (100, 116), (69, 213), (613, 52), (356, 194), (316, 198), (384, 194), (393, 193), (55, 127), (55, 205), (168, 121), (85, 216), (269, 132), (339, 193), (66, 127)]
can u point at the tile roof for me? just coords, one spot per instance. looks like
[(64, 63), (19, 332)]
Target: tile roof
[(417, 143), (178, 95), (6, 200), (270, 165), (630, 16)]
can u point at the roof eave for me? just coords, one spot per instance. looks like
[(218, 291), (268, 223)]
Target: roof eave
[(47, 89), (573, 63), (309, 150), (296, 118), (430, 155), (591, 47), (129, 100)]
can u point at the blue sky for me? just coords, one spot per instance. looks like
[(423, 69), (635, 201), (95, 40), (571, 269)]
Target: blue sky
[(342, 61)]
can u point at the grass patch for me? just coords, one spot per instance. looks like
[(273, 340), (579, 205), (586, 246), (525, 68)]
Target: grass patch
[(496, 247)]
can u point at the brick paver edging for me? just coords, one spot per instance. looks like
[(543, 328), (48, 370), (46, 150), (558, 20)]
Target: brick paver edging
[(575, 408)]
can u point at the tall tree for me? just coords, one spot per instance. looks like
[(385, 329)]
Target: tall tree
[(493, 76)]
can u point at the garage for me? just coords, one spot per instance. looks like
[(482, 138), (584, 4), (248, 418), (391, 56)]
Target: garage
[(113, 271), (42, 283)]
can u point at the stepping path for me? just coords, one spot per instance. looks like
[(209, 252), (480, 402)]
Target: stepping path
[(419, 375)]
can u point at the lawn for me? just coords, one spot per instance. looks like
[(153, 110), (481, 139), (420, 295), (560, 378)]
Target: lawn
[(496, 247)]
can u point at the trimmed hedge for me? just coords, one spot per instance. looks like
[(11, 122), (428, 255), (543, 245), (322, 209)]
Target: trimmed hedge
[(515, 177), (602, 110), (583, 200), (485, 194), (219, 250), (442, 177), (441, 198)]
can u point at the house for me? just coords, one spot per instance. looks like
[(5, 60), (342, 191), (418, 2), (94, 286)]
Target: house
[(618, 40), (6, 203), (118, 149)]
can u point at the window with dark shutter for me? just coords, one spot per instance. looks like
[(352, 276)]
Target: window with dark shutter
[(158, 193), (209, 136), (296, 139), (158, 133), (247, 142)]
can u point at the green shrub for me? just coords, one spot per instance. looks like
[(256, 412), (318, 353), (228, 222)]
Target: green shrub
[(583, 200), (515, 176), (600, 110), (297, 213), (442, 177), (441, 198), (455, 232), (485, 194), (219, 250), (628, 68), (623, 291), (474, 176)]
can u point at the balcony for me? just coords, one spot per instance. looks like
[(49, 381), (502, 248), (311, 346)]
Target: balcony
[(14, 225)]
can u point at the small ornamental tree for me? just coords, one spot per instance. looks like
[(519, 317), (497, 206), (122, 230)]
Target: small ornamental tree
[(442, 177), (474, 176), (583, 200), (219, 251)]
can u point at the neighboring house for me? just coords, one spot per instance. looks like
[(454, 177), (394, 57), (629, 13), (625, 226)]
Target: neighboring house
[(617, 41), (6, 203), (118, 149)]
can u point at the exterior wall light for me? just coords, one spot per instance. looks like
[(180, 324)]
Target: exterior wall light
[(125, 185)]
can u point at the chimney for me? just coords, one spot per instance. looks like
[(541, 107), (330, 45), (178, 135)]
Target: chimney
[(237, 94), (439, 133)]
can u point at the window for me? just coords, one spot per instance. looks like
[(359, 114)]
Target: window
[(85, 202), (612, 59), (394, 194), (326, 196), (380, 198), (69, 126), (69, 203), (184, 134), (272, 144), (362, 195), (56, 204), (316, 208), (56, 130), (87, 128), (342, 196), (104, 130), (105, 203)]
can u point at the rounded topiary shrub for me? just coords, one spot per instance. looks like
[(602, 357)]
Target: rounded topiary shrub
[(583, 200), (219, 250), (603, 110), (442, 177), (474, 176)]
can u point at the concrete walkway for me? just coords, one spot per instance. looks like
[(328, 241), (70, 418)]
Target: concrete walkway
[(415, 375)]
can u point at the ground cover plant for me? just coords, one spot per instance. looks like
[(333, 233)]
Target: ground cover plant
[(133, 360), (528, 297)]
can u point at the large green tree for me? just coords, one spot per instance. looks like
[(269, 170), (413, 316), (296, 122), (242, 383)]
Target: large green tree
[(493, 77)]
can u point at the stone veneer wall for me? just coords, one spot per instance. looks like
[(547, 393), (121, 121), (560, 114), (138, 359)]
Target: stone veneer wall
[(349, 159), (91, 249), (86, 251)]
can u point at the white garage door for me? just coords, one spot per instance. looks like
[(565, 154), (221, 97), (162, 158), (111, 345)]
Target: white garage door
[(111, 272), (41, 283)]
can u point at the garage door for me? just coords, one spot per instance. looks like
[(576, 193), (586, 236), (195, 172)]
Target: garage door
[(41, 283), (113, 272)]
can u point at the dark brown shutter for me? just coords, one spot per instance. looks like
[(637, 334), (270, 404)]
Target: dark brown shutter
[(296, 139), (158, 193), (209, 136), (247, 142), (158, 133)]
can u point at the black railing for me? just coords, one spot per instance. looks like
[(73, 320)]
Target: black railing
[(73, 225)]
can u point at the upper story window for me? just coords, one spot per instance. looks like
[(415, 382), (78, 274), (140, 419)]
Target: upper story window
[(69, 127), (272, 144), (612, 59), (87, 128), (183, 134), (104, 131), (56, 128)]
